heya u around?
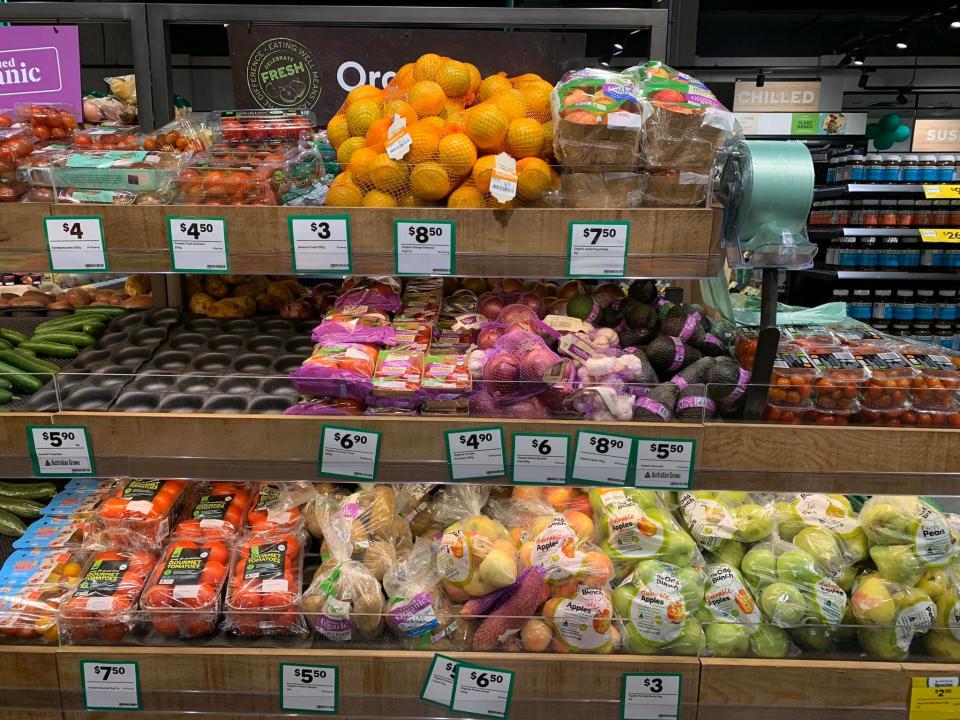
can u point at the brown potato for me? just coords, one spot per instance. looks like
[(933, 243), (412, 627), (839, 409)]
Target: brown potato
[(138, 285), (215, 287), (200, 303), (280, 291), (138, 302), (379, 557), (247, 305), (227, 308)]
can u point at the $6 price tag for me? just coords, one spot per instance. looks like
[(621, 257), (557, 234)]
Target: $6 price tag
[(540, 459)]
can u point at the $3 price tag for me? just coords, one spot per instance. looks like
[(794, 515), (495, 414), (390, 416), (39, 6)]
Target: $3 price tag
[(425, 248), (60, 451), (349, 453), (198, 244), (110, 685), (310, 688), (650, 697), (482, 691), (320, 243), (598, 249), (540, 459), (75, 244), (476, 453)]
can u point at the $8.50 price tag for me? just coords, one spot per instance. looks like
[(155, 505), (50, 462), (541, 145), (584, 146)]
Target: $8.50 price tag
[(438, 687), (602, 458), (320, 243), (425, 248), (309, 688), (540, 459), (598, 249), (665, 464), (475, 454), (482, 691), (198, 244), (60, 451), (110, 685), (75, 244), (349, 453), (650, 697)]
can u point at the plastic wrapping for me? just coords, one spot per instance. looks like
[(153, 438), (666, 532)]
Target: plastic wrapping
[(108, 137), (259, 125), (138, 516), (337, 371), (33, 583), (716, 518), (827, 527), (215, 512), (177, 136), (937, 381), (50, 121), (375, 293), (54, 531), (16, 144), (131, 171), (354, 324), (277, 507), (891, 614)]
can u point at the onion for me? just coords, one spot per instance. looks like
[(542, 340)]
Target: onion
[(489, 306), (532, 301), (297, 310), (488, 337)]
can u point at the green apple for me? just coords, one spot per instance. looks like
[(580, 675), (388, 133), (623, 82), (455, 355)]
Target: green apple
[(752, 521), (898, 563), (798, 566), (727, 639), (872, 603), (789, 522), (759, 566), (813, 637), (678, 547), (691, 640), (643, 498), (769, 641), (783, 604), (636, 644), (729, 552)]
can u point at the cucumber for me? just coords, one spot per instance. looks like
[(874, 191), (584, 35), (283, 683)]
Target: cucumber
[(5, 396), (27, 491), (5, 384), (53, 349), (24, 363), (66, 337), (14, 337), (25, 351), (36, 363), (11, 525), (21, 507), (94, 329), (20, 380), (71, 322), (107, 310), (6, 344)]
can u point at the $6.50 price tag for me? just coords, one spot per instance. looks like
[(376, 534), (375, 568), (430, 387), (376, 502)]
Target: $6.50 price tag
[(349, 453), (664, 464), (320, 243), (75, 244), (60, 451), (482, 691), (425, 248), (475, 454), (110, 685), (540, 459), (602, 458), (598, 249), (311, 688), (650, 697), (198, 244)]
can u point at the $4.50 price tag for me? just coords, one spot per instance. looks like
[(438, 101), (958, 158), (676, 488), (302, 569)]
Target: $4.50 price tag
[(320, 243), (482, 691), (60, 451), (475, 454), (349, 453), (75, 244), (598, 249), (934, 698), (602, 458), (540, 459), (309, 688), (650, 697), (665, 464), (198, 244), (110, 685), (940, 235), (425, 248)]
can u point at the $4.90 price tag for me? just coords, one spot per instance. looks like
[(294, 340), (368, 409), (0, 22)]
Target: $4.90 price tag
[(598, 249), (482, 691), (665, 464), (349, 453), (650, 697), (198, 244), (110, 685), (425, 248), (320, 243), (438, 687), (475, 454), (540, 459), (948, 235), (308, 688), (75, 244), (602, 458), (934, 698), (60, 451)]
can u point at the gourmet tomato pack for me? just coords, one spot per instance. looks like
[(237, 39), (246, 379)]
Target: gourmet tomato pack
[(215, 511), (139, 515), (276, 507)]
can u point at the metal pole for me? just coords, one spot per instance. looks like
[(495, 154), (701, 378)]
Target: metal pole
[(768, 298)]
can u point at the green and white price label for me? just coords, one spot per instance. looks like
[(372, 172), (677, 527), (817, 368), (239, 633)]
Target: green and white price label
[(540, 459), (309, 688), (320, 243), (481, 691), (650, 697), (349, 453), (438, 686), (664, 464), (475, 454), (198, 244), (75, 244), (110, 685), (598, 249), (602, 458), (425, 248), (60, 451)]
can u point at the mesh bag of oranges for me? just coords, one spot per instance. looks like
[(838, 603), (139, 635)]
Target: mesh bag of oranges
[(431, 138)]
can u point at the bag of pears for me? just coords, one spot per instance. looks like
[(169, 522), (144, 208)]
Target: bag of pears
[(890, 614)]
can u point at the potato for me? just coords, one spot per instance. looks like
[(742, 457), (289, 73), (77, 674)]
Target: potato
[(200, 303), (215, 287), (227, 308), (383, 510), (280, 291), (77, 297), (295, 287), (138, 302), (379, 558), (422, 521), (367, 612), (313, 603), (193, 285), (358, 533), (312, 515), (235, 279), (252, 287), (268, 303), (138, 285), (248, 305), (37, 297)]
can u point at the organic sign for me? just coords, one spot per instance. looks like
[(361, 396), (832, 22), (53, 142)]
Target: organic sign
[(39, 64)]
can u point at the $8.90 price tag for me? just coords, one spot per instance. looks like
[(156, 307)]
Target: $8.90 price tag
[(75, 244), (598, 249), (540, 459), (198, 244), (475, 454), (481, 691), (602, 458), (664, 464), (309, 688), (320, 243), (425, 248), (349, 453), (60, 451), (650, 697), (110, 685)]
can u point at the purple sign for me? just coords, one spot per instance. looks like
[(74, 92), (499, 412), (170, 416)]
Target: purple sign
[(40, 64)]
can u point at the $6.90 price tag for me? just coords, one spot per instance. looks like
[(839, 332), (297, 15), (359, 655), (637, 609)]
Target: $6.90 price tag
[(598, 249), (349, 453), (425, 248), (650, 697), (311, 688), (482, 691), (60, 451), (476, 453), (198, 244), (664, 464), (110, 685), (75, 244), (540, 459), (320, 243)]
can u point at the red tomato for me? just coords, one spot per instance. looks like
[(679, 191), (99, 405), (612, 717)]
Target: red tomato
[(218, 552), (213, 573), (213, 184), (5, 121), (198, 626), (113, 632), (185, 543), (41, 132), (85, 141), (158, 596), (165, 624)]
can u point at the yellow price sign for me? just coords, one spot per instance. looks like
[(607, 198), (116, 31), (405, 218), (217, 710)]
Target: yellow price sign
[(935, 698), (940, 235), (941, 192)]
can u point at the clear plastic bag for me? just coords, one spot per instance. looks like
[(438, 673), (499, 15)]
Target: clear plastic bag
[(890, 615), (33, 583), (715, 518), (815, 513)]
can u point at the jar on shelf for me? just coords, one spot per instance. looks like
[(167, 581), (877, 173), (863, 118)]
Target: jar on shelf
[(843, 212), (855, 170), (888, 256), (943, 334), (841, 295), (873, 168), (846, 253), (947, 305), (910, 165), (923, 213), (925, 309), (882, 304), (868, 253), (951, 259), (817, 213), (881, 326), (900, 329), (910, 250), (946, 168), (888, 213), (928, 168), (891, 168), (833, 166), (953, 219), (904, 213), (860, 306), (904, 309), (939, 214), (871, 213)]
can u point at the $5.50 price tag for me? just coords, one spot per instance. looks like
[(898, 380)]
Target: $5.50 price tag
[(438, 687), (349, 453), (650, 697), (940, 235), (75, 244), (198, 244), (482, 691), (320, 243), (60, 451), (425, 248), (475, 454), (598, 249), (934, 698), (540, 459), (309, 688), (665, 464), (110, 685), (602, 458)]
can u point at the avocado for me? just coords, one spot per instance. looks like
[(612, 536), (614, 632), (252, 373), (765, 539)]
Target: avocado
[(583, 307), (722, 378), (644, 291), (657, 405), (668, 355), (639, 316), (694, 405), (683, 325), (711, 345), (695, 373), (648, 376), (610, 317), (664, 308), (636, 337)]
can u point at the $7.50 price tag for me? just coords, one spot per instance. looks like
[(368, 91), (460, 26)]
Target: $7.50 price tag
[(598, 249), (601, 458), (60, 451), (425, 248), (309, 688), (349, 453), (482, 691), (650, 697), (665, 464), (75, 244), (110, 685), (475, 454), (540, 459), (198, 244), (320, 243)]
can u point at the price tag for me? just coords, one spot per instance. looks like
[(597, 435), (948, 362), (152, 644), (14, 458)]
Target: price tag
[(75, 244), (503, 180), (540, 459), (310, 688), (650, 697), (598, 249), (399, 141), (320, 244), (425, 248), (948, 235), (934, 698), (198, 244), (482, 691), (942, 192), (665, 464), (602, 458), (438, 687), (349, 453), (475, 454), (60, 451), (110, 685)]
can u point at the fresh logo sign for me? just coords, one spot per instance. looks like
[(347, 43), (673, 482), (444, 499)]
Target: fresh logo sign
[(283, 73)]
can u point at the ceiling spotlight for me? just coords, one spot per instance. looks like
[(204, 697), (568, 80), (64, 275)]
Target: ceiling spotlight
[(634, 32), (618, 46), (761, 78), (605, 61), (901, 45), (955, 24), (845, 60), (862, 82), (859, 57)]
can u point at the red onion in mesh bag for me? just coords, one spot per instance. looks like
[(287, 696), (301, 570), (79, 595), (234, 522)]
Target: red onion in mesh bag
[(502, 372), (535, 363), (489, 335), (532, 301), (490, 305), (518, 314)]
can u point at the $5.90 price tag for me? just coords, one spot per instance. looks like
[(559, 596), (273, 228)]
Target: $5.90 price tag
[(475, 454), (320, 243), (438, 687), (75, 244), (482, 691), (540, 459), (598, 249), (940, 235), (349, 453), (650, 697), (110, 685), (601, 458), (425, 248), (308, 688), (665, 464), (60, 451), (934, 698), (198, 244)]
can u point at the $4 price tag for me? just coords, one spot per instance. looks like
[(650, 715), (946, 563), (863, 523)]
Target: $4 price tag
[(349, 453), (110, 685), (309, 688), (598, 249), (320, 243), (602, 458), (198, 244), (482, 691), (664, 464), (475, 454), (650, 697), (75, 244), (60, 451), (425, 248), (540, 459)]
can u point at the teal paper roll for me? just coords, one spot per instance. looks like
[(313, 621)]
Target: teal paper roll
[(777, 186)]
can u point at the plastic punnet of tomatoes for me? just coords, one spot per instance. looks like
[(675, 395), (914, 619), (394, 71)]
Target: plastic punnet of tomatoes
[(8, 117), (931, 418), (139, 515), (109, 137), (785, 414), (840, 377), (15, 145), (892, 417), (276, 507), (214, 512), (34, 583), (103, 606), (808, 336), (51, 121), (263, 597), (182, 597), (937, 380), (793, 377), (835, 416), (178, 136), (135, 171), (260, 125), (214, 182), (888, 386), (293, 169)]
